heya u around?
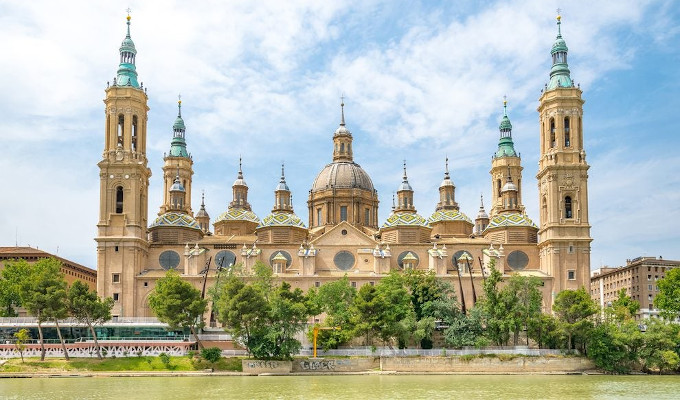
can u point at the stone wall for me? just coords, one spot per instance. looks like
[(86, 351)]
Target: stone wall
[(486, 364), (257, 367), (336, 364)]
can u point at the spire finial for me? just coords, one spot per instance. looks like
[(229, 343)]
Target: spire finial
[(405, 178), (481, 200), (128, 21), (394, 206), (559, 23), (283, 175), (446, 174), (505, 105), (240, 170), (342, 109), (203, 198), (179, 105), (509, 177)]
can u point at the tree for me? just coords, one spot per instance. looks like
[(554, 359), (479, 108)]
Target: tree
[(660, 338), (624, 307), (495, 308), (11, 280), (335, 299), (177, 303), (574, 309), (668, 298), (396, 314), (243, 310), (20, 339), (526, 300), (85, 306), (287, 317), (43, 294)]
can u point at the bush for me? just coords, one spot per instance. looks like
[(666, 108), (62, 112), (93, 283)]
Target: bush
[(212, 354), (165, 359)]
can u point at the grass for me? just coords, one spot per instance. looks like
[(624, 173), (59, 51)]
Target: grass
[(132, 364)]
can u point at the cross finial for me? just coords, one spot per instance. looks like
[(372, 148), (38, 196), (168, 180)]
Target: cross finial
[(447, 166), (179, 105), (342, 109), (128, 15)]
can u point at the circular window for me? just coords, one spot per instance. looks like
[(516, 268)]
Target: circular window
[(225, 259), (289, 260), (457, 255), (344, 232), (344, 260), (411, 257), (518, 260), (169, 259)]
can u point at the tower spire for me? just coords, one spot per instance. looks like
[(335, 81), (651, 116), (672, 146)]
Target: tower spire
[(127, 72), (342, 110), (240, 170), (446, 174), (559, 73), (506, 147), (178, 145)]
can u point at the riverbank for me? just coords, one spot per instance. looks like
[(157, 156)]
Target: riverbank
[(185, 366)]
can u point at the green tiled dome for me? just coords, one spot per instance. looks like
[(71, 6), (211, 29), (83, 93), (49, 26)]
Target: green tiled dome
[(175, 219), (405, 219), (448, 215), (238, 214), (510, 219), (278, 218)]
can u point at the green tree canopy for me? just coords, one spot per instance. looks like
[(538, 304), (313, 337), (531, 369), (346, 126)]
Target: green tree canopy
[(574, 309), (11, 280), (668, 298), (177, 303), (43, 294), (85, 306)]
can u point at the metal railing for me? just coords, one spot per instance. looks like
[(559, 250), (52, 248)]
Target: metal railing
[(120, 321)]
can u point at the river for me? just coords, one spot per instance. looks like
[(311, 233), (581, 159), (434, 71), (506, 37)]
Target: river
[(409, 387)]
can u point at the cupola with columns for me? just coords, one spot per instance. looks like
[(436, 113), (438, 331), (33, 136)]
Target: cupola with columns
[(447, 220), (177, 164)]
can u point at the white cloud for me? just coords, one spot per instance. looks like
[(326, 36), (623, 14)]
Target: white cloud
[(263, 80)]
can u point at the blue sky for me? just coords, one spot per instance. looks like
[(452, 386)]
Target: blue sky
[(263, 79)]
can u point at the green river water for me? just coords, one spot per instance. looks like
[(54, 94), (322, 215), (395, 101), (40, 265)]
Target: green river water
[(347, 387)]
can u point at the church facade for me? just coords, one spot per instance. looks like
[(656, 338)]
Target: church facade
[(343, 235)]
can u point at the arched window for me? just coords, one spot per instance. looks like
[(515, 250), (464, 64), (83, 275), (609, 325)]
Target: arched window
[(342, 147), (567, 207), (567, 141), (552, 133), (134, 133), (499, 188), (119, 200), (544, 210), (121, 121)]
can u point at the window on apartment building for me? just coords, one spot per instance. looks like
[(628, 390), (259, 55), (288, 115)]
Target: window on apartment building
[(649, 287), (649, 297), (115, 278), (649, 277)]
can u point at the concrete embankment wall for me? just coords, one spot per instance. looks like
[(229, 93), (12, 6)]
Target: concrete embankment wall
[(486, 364)]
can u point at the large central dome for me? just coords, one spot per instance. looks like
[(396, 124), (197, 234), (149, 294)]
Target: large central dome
[(342, 175)]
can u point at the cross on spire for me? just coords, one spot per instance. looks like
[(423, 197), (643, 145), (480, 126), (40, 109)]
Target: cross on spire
[(342, 109)]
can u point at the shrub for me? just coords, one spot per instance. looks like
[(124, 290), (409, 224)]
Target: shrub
[(212, 354), (165, 359)]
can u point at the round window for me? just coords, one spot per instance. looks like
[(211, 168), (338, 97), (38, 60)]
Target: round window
[(289, 259), (225, 259), (409, 257), (518, 260), (457, 255), (169, 259), (344, 260)]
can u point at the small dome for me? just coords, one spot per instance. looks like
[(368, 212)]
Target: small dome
[(342, 130), (179, 123), (282, 186), (510, 219), (482, 214), (405, 219), (177, 187), (448, 215), (405, 186), (278, 218), (505, 124), (509, 186), (238, 214), (240, 182), (342, 175), (174, 219), (446, 182)]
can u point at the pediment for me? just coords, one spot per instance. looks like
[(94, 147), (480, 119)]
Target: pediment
[(344, 234)]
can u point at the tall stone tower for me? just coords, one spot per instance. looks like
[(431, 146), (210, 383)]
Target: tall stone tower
[(122, 246), (564, 244), (177, 162), (506, 166)]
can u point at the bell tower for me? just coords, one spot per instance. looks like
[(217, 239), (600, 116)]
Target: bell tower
[(122, 246), (564, 234)]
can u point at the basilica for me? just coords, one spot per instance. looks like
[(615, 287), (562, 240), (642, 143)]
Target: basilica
[(342, 234)]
